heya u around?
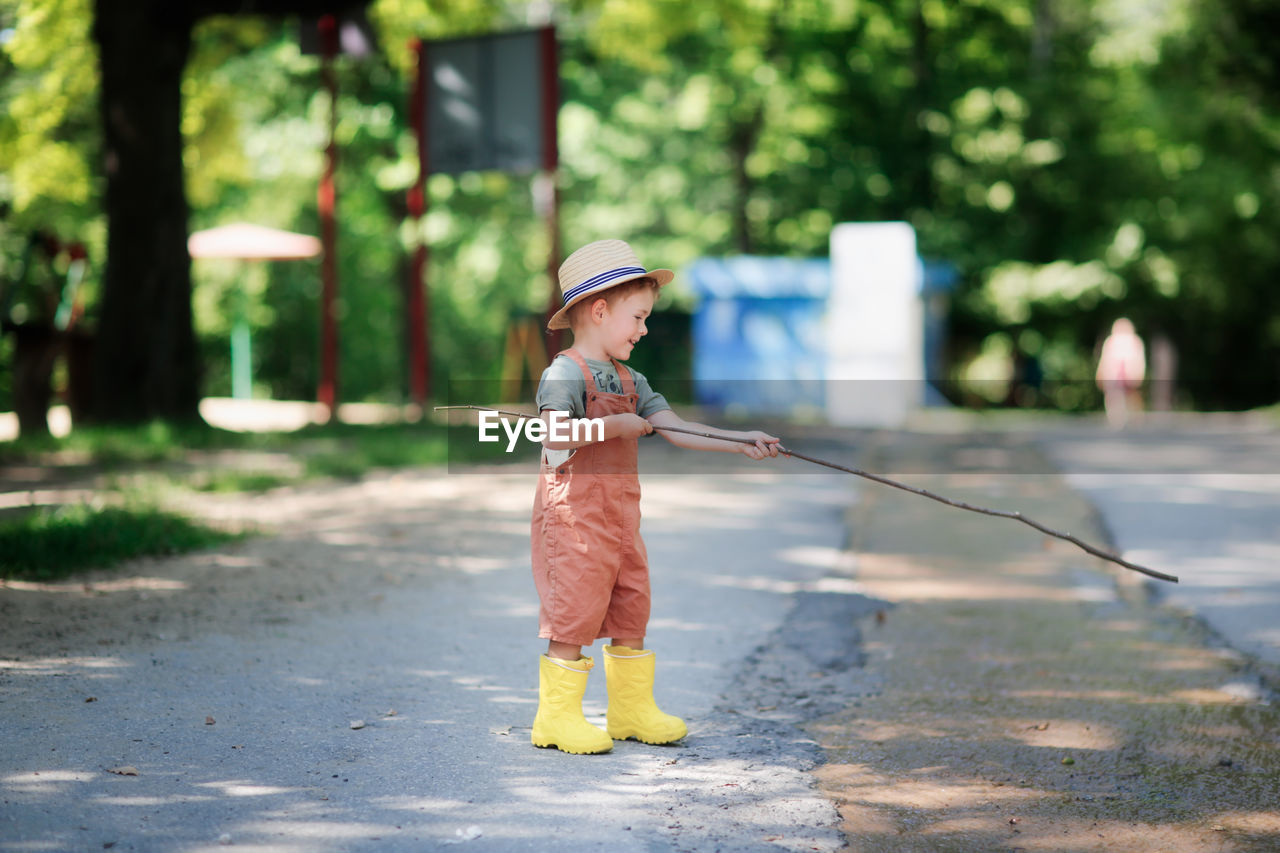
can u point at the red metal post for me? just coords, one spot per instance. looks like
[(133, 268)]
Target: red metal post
[(417, 295), (551, 163), (327, 198)]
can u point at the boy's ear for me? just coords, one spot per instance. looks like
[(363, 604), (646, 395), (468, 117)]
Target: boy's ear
[(599, 308)]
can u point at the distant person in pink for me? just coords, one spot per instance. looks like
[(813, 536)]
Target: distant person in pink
[(1122, 366)]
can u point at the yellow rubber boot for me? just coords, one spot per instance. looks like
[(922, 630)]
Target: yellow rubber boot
[(559, 722), (632, 711)]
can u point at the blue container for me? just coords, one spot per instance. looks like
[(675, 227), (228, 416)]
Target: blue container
[(758, 331)]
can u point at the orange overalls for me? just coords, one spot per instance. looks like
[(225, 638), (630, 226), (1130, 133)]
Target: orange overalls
[(589, 562)]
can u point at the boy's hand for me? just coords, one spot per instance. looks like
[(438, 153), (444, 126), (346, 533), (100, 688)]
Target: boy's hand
[(628, 425), (765, 445)]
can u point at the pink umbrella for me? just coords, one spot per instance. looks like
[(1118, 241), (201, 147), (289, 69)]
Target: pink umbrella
[(246, 242)]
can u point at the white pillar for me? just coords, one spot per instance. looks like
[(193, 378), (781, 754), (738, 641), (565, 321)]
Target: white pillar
[(875, 329)]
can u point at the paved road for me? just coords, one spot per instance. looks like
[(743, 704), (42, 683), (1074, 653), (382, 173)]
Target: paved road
[(1199, 497), (431, 611), (436, 620), (1022, 703)]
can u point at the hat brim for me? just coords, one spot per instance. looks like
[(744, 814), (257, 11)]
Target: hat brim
[(560, 319)]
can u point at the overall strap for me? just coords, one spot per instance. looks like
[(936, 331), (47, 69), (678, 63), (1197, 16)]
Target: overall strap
[(582, 365)]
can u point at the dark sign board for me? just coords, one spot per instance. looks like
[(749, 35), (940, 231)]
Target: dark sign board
[(490, 102)]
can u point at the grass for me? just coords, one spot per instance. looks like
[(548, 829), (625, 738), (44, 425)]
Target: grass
[(344, 451), (232, 480), (49, 544), (161, 457), (347, 451), (124, 446)]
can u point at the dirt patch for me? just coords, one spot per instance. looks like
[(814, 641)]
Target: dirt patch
[(327, 545), (1027, 702)]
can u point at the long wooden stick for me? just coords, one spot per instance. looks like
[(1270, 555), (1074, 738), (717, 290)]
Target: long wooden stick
[(924, 493)]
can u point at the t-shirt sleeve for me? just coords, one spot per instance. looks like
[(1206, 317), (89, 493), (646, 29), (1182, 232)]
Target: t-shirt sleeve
[(651, 402), (562, 388)]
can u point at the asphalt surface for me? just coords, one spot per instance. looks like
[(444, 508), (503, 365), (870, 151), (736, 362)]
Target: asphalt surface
[(1198, 497), (243, 735), (1030, 696), (242, 731)]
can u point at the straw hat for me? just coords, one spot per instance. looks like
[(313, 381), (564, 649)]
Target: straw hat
[(595, 268)]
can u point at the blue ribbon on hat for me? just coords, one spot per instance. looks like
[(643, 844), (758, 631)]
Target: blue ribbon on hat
[(597, 280)]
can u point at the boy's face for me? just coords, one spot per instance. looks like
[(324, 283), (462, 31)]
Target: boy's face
[(623, 324)]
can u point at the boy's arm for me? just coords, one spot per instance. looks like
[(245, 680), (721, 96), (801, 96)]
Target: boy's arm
[(615, 426), (765, 445)]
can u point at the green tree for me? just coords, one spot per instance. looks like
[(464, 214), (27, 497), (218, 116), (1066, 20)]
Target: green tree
[(1074, 162), (146, 359)]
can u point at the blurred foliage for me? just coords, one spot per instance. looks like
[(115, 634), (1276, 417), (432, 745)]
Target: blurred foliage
[(1076, 160), (48, 86)]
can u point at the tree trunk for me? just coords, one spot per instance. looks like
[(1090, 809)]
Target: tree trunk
[(917, 140), (742, 141), (35, 351), (146, 363)]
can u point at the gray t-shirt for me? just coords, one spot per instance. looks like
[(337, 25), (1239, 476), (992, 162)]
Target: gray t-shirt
[(564, 389)]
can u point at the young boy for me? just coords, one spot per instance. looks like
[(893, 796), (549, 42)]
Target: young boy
[(589, 562)]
